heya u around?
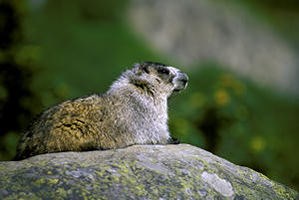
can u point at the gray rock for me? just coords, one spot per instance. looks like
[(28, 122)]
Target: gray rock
[(137, 172), (193, 31)]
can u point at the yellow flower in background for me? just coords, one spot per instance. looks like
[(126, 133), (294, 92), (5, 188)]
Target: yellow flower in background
[(257, 144), (221, 97), (229, 81)]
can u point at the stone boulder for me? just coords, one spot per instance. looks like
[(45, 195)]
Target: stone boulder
[(137, 172)]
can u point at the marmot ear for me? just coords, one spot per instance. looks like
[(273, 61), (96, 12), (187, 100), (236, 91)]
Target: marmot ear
[(141, 68)]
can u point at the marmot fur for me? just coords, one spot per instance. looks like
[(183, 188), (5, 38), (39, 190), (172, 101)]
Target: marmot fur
[(132, 111)]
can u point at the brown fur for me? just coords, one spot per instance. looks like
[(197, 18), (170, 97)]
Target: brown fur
[(133, 111)]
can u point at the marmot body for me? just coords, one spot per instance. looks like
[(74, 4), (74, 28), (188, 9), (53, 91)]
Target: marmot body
[(132, 111)]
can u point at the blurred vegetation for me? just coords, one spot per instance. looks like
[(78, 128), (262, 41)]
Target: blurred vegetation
[(54, 50), (18, 102), (283, 15), (239, 121)]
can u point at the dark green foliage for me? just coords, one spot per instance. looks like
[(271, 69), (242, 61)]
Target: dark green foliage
[(17, 101), (9, 25), (291, 5)]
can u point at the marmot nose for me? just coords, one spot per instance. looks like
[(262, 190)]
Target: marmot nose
[(181, 81), (183, 78)]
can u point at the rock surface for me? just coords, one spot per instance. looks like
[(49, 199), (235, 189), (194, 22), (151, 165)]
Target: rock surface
[(193, 31), (137, 172)]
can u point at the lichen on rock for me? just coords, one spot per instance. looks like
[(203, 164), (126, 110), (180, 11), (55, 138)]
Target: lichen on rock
[(137, 172)]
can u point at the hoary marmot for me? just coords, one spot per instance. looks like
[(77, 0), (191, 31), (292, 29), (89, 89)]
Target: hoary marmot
[(132, 111)]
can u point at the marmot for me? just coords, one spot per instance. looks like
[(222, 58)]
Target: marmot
[(132, 111)]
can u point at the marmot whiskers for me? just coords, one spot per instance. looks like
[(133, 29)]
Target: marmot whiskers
[(132, 111)]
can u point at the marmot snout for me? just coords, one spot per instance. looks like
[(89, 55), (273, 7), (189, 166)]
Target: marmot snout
[(132, 111)]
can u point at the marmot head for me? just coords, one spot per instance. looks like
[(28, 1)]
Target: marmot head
[(158, 78)]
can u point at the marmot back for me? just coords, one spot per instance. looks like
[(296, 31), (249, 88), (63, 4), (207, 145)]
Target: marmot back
[(132, 111)]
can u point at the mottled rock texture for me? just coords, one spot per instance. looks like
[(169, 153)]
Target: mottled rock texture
[(137, 172)]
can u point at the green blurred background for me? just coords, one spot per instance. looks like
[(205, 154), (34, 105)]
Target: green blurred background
[(51, 51)]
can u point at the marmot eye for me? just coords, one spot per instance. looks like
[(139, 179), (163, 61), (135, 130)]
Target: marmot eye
[(164, 71)]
